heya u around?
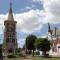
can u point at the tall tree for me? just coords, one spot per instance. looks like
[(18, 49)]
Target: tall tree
[(30, 40), (42, 44)]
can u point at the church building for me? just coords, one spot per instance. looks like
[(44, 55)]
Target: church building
[(10, 35), (54, 38)]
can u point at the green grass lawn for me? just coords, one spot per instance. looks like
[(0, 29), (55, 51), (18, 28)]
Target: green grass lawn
[(33, 58), (41, 58)]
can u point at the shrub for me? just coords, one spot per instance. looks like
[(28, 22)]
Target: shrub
[(37, 53), (11, 56), (22, 55)]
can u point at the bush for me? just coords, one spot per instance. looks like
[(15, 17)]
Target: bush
[(11, 56), (37, 53), (22, 55)]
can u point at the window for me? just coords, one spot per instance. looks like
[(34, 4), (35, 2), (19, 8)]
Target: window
[(58, 46), (10, 50), (13, 40), (7, 40)]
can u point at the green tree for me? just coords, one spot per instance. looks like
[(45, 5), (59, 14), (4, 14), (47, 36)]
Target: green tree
[(42, 44), (30, 40)]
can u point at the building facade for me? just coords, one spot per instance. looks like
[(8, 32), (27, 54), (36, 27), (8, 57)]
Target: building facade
[(54, 38), (10, 35)]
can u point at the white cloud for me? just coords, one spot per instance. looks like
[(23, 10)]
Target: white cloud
[(21, 42), (2, 18), (30, 21), (33, 20), (36, 0), (27, 7), (45, 36), (52, 10)]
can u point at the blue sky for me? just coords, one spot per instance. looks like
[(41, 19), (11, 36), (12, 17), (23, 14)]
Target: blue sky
[(32, 17), (19, 6)]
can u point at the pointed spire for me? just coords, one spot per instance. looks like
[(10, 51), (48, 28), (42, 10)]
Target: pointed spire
[(49, 29), (55, 31), (10, 16)]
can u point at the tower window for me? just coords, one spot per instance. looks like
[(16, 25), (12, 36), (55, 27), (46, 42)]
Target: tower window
[(13, 40), (7, 40), (10, 50), (58, 46)]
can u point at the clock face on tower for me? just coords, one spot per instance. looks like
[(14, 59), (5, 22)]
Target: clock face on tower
[(10, 28)]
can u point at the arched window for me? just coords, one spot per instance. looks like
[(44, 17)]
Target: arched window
[(7, 39), (13, 40), (10, 50)]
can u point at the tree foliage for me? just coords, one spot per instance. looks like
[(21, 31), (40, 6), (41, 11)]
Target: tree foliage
[(42, 44), (30, 40)]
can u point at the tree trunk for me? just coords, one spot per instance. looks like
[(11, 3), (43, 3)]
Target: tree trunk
[(1, 57), (44, 53), (33, 52)]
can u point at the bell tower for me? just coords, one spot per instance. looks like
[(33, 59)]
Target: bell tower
[(10, 38)]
